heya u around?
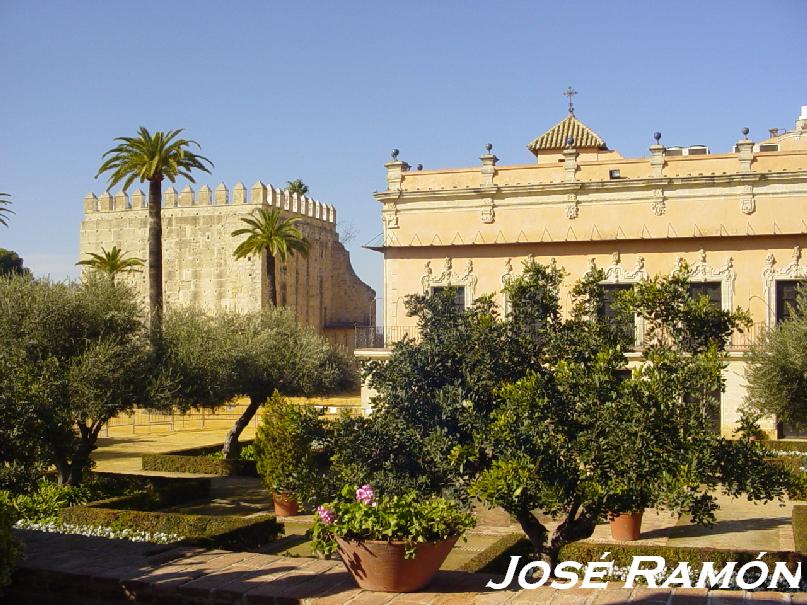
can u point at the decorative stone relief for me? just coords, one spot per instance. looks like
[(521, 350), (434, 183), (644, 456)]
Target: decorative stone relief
[(702, 271), (658, 205), (616, 273), (572, 208), (793, 270), (508, 271), (391, 218), (747, 202), (488, 213), (447, 278)]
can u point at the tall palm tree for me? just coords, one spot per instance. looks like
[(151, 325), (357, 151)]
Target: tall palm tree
[(111, 262), (269, 232), (296, 186), (153, 158), (6, 202)]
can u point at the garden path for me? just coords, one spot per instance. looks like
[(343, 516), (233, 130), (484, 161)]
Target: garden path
[(93, 571)]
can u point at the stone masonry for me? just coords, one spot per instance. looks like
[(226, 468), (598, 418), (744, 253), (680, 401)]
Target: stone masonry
[(198, 264)]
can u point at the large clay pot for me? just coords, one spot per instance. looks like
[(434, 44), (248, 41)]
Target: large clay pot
[(626, 527), (381, 566), (285, 505)]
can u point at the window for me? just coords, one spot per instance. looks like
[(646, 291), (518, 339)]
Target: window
[(787, 430), (609, 312), (712, 289), (769, 147), (459, 295), (711, 409), (787, 291)]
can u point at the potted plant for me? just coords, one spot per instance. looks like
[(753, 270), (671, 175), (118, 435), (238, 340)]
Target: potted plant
[(391, 543), (288, 453)]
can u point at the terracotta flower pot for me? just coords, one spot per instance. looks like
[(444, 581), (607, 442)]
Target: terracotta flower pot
[(285, 505), (626, 527), (381, 566)]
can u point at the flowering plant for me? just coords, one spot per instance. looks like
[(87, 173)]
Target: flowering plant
[(410, 518)]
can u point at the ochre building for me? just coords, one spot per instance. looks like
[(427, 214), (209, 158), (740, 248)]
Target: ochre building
[(199, 268), (738, 219)]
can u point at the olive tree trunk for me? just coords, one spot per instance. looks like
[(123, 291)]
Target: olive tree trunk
[(155, 268), (232, 447), (573, 528), (72, 472)]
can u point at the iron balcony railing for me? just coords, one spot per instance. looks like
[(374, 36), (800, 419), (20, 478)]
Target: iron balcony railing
[(384, 337)]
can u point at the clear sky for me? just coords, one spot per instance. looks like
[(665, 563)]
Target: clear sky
[(323, 90)]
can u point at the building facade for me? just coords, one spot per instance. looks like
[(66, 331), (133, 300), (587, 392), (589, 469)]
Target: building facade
[(739, 219), (199, 268)]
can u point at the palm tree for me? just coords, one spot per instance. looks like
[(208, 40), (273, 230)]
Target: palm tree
[(297, 186), (269, 232), (153, 158), (3, 220), (112, 262)]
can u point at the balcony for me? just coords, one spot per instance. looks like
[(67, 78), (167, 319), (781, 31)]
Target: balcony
[(383, 337)]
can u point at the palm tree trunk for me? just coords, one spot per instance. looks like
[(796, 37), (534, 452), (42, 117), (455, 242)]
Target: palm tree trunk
[(155, 256), (271, 279)]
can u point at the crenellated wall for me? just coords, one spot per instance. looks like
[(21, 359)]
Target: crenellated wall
[(198, 263)]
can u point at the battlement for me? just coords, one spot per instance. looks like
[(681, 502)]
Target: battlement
[(260, 194)]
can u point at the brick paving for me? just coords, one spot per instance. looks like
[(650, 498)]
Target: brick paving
[(82, 570)]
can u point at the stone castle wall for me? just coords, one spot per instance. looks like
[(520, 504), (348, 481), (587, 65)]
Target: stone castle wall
[(198, 264)]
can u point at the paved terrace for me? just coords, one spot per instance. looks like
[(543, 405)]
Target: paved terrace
[(76, 570)]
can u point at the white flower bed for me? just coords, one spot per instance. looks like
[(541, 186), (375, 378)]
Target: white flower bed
[(100, 532)]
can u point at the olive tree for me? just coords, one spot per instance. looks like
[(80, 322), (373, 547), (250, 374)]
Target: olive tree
[(215, 358), (777, 369), (73, 356)]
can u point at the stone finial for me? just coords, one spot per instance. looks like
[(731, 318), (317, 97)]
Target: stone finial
[(204, 197), (488, 166), (105, 202), (170, 197), (138, 199), (221, 195), (186, 196), (570, 164), (657, 153), (121, 200), (259, 193), (90, 203), (239, 193)]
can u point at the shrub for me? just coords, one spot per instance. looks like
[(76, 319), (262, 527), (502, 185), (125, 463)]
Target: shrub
[(800, 528), (10, 550), (204, 465), (291, 450)]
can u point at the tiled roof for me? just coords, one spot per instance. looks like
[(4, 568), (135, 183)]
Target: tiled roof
[(555, 137)]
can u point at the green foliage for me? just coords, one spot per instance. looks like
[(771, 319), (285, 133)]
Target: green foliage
[(11, 264), (44, 504), (111, 262), (152, 156), (296, 186), (71, 357), (212, 531), (406, 518), (536, 411), (10, 549), (4, 211), (209, 464), (777, 369), (800, 528), (290, 450)]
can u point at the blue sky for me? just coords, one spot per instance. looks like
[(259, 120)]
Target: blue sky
[(323, 90)]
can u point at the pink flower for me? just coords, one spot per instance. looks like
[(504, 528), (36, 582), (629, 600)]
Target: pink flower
[(365, 495), (326, 515)]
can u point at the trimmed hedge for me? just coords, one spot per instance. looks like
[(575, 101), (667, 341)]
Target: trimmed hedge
[(786, 445), (196, 460), (800, 528), (622, 554), (485, 560), (161, 493), (204, 530)]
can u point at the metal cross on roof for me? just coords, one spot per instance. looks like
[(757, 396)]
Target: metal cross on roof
[(570, 92)]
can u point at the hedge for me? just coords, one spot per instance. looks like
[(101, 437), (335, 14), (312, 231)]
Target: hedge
[(205, 530), (196, 461), (160, 492), (486, 560), (786, 445), (800, 528), (622, 554)]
